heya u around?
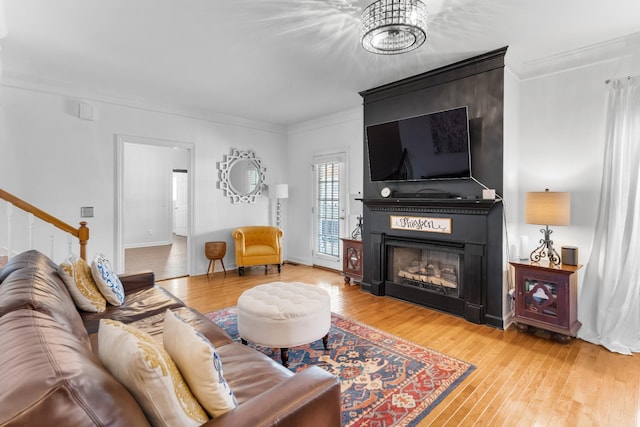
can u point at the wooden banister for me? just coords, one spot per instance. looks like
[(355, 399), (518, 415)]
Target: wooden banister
[(81, 233)]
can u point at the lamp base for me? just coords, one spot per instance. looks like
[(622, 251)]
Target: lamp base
[(356, 234), (278, 213), (545, 250)]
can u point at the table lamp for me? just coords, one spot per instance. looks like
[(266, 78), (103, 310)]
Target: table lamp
[(547, 208)]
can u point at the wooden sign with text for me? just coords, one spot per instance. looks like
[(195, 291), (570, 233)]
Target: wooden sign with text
[(418, 223)]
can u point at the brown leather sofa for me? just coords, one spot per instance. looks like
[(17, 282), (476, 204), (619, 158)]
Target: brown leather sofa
[(50, 374)]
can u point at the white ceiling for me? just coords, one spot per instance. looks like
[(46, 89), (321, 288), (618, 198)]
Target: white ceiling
[(276, 61)]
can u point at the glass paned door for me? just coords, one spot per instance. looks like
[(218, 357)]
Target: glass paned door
[(328, 210)]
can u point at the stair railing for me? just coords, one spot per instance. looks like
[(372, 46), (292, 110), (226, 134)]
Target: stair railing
[(81, 233)]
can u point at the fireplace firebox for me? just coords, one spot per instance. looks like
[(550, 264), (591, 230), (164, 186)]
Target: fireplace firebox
[(433, 273), (431, 267)]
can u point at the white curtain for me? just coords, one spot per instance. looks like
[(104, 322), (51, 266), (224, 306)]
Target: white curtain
[(609, 301)]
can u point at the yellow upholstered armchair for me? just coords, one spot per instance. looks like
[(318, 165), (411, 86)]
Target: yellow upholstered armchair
[(257, 245)]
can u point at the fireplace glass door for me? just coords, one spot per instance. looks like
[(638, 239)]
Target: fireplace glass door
[(427, 267)]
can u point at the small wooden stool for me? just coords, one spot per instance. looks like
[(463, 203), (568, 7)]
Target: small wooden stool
[(215, 251)]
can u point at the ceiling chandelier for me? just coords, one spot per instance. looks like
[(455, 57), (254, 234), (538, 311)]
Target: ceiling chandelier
[(394, 26)]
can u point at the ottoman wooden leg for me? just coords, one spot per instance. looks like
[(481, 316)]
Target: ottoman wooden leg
[(284, 355), (325, 341)]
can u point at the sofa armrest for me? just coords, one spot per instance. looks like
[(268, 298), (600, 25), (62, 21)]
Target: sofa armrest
[(309, 398), (135, 281)]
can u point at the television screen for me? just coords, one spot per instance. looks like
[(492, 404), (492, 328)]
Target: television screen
[(430, 146)]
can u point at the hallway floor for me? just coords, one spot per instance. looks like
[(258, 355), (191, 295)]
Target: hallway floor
[(166, 261)]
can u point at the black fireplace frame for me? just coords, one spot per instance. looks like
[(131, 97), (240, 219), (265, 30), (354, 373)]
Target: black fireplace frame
[(476, 227)]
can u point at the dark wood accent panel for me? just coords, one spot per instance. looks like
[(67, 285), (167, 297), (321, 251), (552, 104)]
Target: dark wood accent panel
[(474, 282), (373, 273), (448, 73), (478, 83)]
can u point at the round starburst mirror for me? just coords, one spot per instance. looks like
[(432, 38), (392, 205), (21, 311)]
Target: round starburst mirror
[(242, 176)]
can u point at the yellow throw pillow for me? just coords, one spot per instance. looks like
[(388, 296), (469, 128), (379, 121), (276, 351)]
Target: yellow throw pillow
[(199, 363), (76, 275), (147, 371)]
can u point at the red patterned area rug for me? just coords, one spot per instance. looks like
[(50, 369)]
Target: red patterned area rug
[(386, 380)]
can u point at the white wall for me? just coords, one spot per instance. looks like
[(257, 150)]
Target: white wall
[(561, 145), (341, 132), (59, 163), (511, 192)]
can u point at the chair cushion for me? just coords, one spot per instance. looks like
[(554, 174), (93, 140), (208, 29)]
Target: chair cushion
[(259, 250)]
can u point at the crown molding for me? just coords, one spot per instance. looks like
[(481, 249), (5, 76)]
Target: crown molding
[(334, 119), (37, 84), (577, 58)]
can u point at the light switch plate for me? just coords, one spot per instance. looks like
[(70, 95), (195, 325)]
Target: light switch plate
[(86, 212)]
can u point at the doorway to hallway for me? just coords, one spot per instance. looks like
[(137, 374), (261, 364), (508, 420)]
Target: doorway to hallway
[(154, 206)]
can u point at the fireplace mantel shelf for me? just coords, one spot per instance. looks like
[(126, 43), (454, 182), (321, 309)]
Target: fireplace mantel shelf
[(477, 206)]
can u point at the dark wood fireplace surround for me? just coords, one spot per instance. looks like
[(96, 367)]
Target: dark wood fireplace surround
[(476, 225)]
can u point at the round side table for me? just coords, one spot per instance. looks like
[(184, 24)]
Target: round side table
[(215, 251)]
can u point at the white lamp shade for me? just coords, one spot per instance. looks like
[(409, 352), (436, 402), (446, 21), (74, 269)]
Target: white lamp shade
[(548, 208), (281, 191)]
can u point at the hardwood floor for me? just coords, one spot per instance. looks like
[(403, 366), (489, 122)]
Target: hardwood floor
[(167, 261), (520, 379)]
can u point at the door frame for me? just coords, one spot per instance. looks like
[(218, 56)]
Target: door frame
[(120, 141), (323, 260), (173, 208)]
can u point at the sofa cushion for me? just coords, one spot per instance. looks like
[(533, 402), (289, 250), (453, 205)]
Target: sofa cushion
[(199, 364), (40, 290), (76, 274), (154, 326), (149, 373), (107, 281), (139, 304), (30, 258), (49, 377), (264, 374)]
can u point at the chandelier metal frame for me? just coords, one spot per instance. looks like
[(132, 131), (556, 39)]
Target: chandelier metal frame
[(390, 27)]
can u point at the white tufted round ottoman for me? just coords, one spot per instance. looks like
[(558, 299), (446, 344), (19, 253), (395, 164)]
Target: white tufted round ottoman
[(284, 315)]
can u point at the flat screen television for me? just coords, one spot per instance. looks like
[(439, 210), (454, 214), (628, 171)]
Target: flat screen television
[(425, 147)]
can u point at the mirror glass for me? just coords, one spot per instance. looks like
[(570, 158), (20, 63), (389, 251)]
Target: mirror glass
[(241, 176)]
